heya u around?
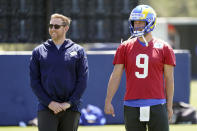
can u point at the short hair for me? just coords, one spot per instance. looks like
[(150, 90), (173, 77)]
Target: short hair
[(66, 20)]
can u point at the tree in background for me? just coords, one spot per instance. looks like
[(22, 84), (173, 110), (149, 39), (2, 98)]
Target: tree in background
[(173, 8)]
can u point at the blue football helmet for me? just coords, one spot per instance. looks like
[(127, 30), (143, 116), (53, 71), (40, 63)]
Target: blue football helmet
[(142, 13)]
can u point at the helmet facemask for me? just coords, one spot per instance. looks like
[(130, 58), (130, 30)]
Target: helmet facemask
[(137, 31)]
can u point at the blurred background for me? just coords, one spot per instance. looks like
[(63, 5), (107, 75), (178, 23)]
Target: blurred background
[(106, 21), (98, 25)]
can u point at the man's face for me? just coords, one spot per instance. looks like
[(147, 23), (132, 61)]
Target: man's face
[(139, 25), (56, 29)]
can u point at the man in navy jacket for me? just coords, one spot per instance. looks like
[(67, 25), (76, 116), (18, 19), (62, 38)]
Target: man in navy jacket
[(58, 76)]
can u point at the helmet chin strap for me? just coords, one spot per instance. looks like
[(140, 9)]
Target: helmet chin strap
[(145, 41), (132, 36)]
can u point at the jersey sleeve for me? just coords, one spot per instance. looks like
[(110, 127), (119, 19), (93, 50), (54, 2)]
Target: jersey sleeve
[(169, 56), (119, 57)]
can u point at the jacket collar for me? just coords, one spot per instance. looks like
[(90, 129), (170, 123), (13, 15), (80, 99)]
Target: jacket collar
[(67, 43)]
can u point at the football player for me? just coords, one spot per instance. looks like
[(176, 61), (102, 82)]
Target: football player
[(149, 64)]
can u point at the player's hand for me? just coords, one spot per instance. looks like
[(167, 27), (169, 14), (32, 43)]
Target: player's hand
[(56, 107), (109, 109), (65, 105), (170, 113)]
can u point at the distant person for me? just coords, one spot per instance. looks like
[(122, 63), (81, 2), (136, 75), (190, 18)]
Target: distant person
[(58, 76), (173, 37), (149, 64)]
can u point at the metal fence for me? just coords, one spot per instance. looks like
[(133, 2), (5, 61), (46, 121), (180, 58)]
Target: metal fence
[(92, 20)]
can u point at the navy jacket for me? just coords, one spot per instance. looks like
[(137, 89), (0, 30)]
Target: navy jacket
[(58, 75)]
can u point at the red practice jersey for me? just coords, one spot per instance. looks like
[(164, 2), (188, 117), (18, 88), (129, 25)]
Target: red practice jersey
[(144, 67)]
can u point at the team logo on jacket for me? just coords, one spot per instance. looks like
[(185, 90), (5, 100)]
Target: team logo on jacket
[(158, 45), (74, 53)]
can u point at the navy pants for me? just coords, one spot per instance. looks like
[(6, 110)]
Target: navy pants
[(158, 119)]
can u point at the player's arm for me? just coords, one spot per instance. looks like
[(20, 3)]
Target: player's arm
[(169, 81), (113, 85)]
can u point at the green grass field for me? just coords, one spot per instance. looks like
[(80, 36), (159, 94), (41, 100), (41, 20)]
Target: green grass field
[(103, 128), (179, 127)]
